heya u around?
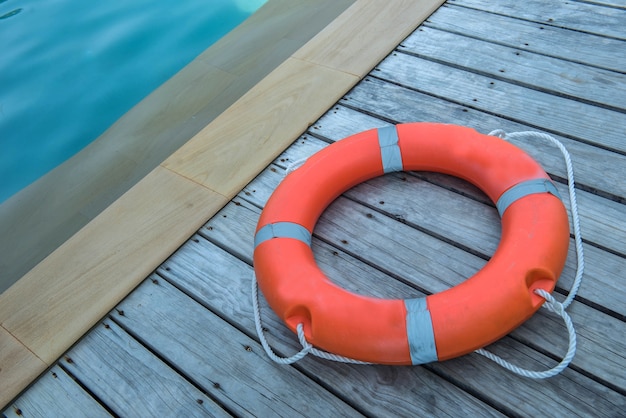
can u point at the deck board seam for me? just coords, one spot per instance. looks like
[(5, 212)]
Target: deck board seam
[(8, 331), (501, 116), (194, 181), (166, 361), (539, 22), (580, 184), (513, 81), (435, 26)]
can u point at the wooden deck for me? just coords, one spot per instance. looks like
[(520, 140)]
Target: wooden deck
[(183, 343)]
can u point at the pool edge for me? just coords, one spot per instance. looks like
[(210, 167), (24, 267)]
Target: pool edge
[(176, 198)]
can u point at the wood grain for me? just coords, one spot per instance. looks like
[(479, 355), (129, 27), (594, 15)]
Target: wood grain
[(574, 15), (581, 82), (70, 290), (593, 50), (397, 236), (227, 363), (199, 259), (18, 368), (254, 129), (163, 209), (365, 31), (56, 394), (558, 114), (138, 383), (377, 390)]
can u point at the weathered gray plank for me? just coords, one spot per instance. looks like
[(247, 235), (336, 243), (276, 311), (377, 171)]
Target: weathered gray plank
[(444, 213), (608, 3), (584, 17), (226, 363), (391, 102), (601, 219), (389, 249), (552, 75), (476, 226), (55, 394), (537, 401), (369, 390), (556, 114), (130, 380), (345, 229), (574, 46), (375, 282)]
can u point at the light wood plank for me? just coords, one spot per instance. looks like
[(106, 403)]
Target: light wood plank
[(19, 367), (364, 31), (593, 85), (578, 16), (47, 213), (56, 394), (130, 380), (574, 46), (272, 34), (35, 323), (297, 90), (83, 267), (226, 363)]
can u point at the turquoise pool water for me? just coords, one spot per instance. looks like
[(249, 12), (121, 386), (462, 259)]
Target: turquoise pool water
[(69, 69)]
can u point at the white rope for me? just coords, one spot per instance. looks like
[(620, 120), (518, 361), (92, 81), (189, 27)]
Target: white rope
[(572, 198), (306, 346), (552, 304)]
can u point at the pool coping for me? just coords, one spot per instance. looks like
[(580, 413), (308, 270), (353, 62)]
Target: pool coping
[(42, 216), (66, 294)]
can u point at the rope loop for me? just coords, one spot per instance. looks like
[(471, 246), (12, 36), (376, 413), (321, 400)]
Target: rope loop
[(554, 306), (551, 303), (306, 346), (580, 268)]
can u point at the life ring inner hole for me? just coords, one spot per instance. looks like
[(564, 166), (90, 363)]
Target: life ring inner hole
[(414, 225)]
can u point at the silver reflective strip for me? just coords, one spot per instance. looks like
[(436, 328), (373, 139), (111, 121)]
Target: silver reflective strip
[(419, 331), (524, 189), (389, 149), (282, 230)]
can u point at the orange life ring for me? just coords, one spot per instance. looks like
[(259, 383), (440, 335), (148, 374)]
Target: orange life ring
[(482, 309)]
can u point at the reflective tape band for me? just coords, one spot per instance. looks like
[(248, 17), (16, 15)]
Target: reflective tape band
[(282, 230), (524, 189), (419, 331), (389, 149)]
